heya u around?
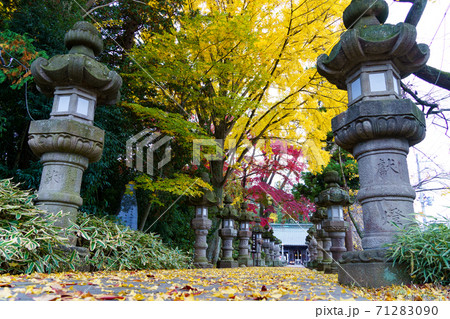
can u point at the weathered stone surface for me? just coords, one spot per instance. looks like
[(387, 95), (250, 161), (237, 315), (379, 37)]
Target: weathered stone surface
[(67, 142), (78, 67), (368, 120), (201, 227), (244, 236), (372, 274), (128, 208), (368, 40), (379, 133), (336, 231), (66, 136)]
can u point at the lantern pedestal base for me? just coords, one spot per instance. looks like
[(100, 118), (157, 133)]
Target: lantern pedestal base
[(202, 265), (246, 261), (277, 263), (319, 266), (227, 264), (258, 263), (371, 269)]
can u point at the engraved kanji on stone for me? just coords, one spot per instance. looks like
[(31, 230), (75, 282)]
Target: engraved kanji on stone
[(384, 166), (394, 215)]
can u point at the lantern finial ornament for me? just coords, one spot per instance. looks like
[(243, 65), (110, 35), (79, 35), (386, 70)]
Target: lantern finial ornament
[(365, 12)]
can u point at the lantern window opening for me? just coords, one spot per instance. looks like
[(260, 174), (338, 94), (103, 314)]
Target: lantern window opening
[(74, 103), (374, 80), (228, 223)]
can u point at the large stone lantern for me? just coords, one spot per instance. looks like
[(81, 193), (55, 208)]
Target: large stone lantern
[(228, 214), (244, 234), (68, 141), (378, 128), (201, 224), (333, 199)]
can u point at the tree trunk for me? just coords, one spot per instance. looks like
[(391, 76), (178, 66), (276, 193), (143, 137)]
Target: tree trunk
[(144, 218)]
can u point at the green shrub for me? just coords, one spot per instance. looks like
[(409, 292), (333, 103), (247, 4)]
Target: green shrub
[(425, 250), (30, 241), (116, 247)]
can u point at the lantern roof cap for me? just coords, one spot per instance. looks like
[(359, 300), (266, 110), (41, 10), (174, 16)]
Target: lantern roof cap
[(368, 40), (78, 68)]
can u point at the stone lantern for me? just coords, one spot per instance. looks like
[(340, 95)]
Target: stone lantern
[(316, 219), (201, 224), (228, 214), (258, 230), (277, 253), (312, 247), (272, 251), (333, 199), (67, 142), (323, 241), (266, 235), (244, 234), (378, 128)]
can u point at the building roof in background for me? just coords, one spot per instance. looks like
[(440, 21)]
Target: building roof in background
[(291, 234)]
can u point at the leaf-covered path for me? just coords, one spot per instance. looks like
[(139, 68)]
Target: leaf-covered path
[(288, 283)]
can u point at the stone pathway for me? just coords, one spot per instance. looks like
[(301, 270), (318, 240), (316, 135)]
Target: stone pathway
[(253, 283)]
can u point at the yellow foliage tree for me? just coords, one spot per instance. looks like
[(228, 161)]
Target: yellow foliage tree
[(245, 71)]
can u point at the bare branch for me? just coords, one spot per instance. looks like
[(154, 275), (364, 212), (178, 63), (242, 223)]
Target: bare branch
[(98, 7), (418, 99)]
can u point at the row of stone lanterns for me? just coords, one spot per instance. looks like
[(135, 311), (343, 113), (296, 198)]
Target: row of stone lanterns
[(68, 141), (263, 239), (327, 236)]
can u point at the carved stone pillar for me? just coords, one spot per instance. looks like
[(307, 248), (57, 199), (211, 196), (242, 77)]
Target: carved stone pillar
[(266, 249), (318, 216), (312, 233), (277, 254), (378, 128), (333, 198), (244, 234), (68, 141), (228, 233), (326, 247), (257, 261), (201, 224)]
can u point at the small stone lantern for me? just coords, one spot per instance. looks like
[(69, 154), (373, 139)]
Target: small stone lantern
[(333, 198), (227, 233), (277, 253), (201, 224), (378, 128), (258, 230), (244, 234), (267, 235), (323, 255), (68, 141), (312, 247)]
